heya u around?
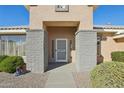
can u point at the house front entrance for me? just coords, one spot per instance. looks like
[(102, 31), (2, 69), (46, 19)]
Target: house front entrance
[(61, 44)]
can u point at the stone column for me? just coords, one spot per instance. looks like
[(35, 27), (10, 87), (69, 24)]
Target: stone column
[(86, 50), (36, 51)]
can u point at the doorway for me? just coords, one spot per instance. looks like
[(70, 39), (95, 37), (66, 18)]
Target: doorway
[(61, 50)]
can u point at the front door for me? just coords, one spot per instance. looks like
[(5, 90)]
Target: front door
[(61, 50)]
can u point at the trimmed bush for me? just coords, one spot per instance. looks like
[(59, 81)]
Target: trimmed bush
[(10, 63), (108, 75), (117, 56), (19, 61), (3, 57)]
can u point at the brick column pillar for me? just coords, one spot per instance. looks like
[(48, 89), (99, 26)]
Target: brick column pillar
[(86, 50), (36, 51)]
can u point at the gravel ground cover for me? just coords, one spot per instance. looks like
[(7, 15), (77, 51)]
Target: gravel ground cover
[(28, 80)]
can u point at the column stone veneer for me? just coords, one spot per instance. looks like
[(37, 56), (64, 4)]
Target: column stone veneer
[(86, 50), (36, 51)]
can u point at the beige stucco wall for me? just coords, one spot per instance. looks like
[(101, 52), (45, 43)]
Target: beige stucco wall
[(81, 13), (61, 32), (109, 45)]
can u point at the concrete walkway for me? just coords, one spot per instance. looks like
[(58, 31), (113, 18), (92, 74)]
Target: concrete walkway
[(60, 80), (61, 76)]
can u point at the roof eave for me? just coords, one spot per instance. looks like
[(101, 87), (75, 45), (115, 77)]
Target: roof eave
[(94, 6)]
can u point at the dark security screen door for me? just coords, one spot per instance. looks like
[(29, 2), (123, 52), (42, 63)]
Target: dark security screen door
[(61, 50)]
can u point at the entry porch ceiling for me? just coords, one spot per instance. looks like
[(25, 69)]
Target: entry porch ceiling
[(61, 23)]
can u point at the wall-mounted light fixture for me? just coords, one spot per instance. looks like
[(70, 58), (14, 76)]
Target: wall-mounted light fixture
[(62, 8)]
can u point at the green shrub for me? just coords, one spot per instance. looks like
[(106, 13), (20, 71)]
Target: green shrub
[(3, 57), (10, 63), (109, 74), (20, 61), (117, 56)]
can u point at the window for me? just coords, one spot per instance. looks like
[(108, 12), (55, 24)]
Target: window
[(13, 45), (62, 8)]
